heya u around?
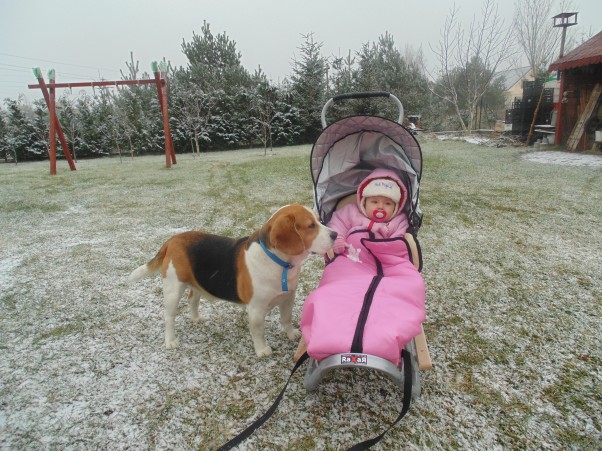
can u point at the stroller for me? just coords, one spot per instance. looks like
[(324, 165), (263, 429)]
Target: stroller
[(345, 153)]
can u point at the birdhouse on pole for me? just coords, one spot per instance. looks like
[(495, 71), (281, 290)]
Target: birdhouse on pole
[(564, 20)]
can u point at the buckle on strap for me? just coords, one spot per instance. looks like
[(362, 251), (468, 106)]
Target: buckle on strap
[(285, 265)]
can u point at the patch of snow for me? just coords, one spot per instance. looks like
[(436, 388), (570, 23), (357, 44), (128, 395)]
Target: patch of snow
[(565, 158), (7, 271)]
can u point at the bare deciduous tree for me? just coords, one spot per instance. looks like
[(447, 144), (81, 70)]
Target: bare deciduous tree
[(535, 34), (538, 39), (468, 60)]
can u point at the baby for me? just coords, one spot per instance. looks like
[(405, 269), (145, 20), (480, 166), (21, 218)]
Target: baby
[(378, 211), (380, 200)]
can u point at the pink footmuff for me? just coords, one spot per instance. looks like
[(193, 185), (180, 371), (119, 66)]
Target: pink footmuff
[(371, 300)]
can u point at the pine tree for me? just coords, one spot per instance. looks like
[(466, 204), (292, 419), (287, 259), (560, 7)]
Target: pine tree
[(214, 89), (21, 134), (308, 87)]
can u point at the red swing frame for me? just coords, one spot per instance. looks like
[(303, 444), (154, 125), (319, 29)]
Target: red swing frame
[(48, 90)]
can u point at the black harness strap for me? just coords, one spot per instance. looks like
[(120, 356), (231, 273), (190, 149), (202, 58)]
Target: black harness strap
[(407, 399)]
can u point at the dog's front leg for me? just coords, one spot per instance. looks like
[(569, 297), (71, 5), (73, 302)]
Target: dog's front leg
[(286, 316), (257, 316)]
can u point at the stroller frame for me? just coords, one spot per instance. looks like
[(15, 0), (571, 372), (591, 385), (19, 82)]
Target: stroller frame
[(415, 356), (417, 347), (317, 370)]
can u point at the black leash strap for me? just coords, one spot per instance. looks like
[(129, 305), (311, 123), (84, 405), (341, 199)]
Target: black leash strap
[(407, 399), (259, 421)]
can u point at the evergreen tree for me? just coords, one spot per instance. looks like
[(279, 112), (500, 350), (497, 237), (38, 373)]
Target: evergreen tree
[(91, 140), (41, 126), (192, 110), (20, 134), (264, 98), (342, 75), (104, 119), (213, 61), (70, 122), (286, 128), (139, 106), (5, 150), (382, 67), (215, 89), (308, 87)]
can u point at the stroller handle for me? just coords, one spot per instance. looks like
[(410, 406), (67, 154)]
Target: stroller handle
[(362, 95)]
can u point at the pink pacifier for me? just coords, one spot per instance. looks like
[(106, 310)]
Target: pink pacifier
[(379, 214)]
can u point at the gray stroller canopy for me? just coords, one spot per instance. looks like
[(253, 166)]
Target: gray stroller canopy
[(348, 150)]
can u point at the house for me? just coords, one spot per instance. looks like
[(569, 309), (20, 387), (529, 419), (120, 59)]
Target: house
[(524, 97), (513, 83), (579, 112), (513, 89)]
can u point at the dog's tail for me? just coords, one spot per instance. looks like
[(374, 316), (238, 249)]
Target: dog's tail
[(152, 267)]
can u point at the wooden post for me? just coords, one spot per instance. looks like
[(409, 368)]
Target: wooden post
[(170, 156), (543, 86), (59, 130), (52, 113), (559, 114), (563, 20), (166, 127)]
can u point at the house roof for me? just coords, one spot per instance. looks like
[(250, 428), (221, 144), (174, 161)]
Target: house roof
[(590, 52), (511, 76)]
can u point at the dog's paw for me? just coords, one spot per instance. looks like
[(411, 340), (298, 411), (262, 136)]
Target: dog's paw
[(264, 351), (172, 344), (293, 333), (196, 318)]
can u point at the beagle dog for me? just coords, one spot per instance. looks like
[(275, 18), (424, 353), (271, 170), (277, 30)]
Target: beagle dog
[(260, 270)]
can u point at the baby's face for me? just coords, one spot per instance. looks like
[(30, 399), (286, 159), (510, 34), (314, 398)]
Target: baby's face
[(376, 205)]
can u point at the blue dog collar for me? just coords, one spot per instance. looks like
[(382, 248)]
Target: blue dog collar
[(285, 266)]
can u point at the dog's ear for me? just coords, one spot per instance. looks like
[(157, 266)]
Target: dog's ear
[(285, 237)]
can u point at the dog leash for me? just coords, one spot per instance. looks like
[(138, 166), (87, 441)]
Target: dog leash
[(407, 399), (257, 423), (285, 265)]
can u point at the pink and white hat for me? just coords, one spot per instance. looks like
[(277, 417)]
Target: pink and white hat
[(380, 187)]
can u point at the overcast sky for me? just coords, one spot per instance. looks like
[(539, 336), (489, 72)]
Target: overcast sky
[(88, 40)]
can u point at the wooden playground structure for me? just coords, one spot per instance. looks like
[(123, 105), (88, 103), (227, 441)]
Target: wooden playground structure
[(49, 92)]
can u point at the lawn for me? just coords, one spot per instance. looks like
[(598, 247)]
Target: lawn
[(512, 263)]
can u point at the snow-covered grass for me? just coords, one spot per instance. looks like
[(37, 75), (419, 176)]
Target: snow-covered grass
[(512, 254)]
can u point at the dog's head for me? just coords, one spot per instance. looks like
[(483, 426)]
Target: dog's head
[(295, 230)]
